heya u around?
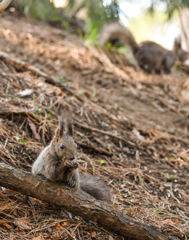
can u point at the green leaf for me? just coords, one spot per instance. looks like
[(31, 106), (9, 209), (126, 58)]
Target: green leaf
[(81, 135), (49, 116), (81, 92), (101, 162), (70, 85), (37, 109), (22, 140), (61, 78)]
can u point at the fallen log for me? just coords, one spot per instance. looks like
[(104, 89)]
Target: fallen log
[(78, 203)]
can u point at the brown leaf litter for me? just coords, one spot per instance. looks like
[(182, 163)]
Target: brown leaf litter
[(136, 123)]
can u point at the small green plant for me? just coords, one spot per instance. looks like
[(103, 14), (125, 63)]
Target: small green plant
[(169, 177), (70, 85), (101, 162), (65, 25), (81, 135), (49, 116), (61, 78), (109, 45), (155, 211), (92, 35), (80, 33), (37, 109), (81, 92), (22, 140)]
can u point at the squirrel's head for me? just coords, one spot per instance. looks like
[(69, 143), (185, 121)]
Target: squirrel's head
[(181, 54), (63, 145)]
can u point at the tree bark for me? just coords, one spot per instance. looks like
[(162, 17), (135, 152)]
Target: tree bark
[(184, 18), (78, 203)]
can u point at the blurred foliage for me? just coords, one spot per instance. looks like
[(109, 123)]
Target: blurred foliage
[(98, 13), (43, 10), (171, 6), (144, 26)]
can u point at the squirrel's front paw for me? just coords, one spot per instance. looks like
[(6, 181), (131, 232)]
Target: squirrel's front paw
[(72, 183), (75, 165), (68, 164)]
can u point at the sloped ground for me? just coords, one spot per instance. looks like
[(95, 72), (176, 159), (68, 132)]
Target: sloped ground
[(131, 129)]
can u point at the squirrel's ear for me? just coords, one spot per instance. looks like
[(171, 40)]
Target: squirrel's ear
[(70, 127), (60, 130), (177, 43)]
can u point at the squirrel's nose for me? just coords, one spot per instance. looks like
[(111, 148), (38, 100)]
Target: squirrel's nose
[(72, 158)]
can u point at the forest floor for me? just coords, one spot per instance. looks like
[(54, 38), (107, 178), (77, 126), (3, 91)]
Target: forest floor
[(131, 129)]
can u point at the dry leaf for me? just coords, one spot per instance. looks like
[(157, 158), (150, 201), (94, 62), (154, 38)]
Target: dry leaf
[(22, 223), (58, 226), (26, 92), (37, 238), (93, 235), (7, 225), (2, 221), (110, 237), (18, 229), (168, 222), (64, 224), (33, 128)]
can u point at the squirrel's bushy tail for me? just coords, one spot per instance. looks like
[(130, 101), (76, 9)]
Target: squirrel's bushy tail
[(96, 187), (115, 31)]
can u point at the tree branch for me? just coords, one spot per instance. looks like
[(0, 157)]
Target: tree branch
[(78, 203)]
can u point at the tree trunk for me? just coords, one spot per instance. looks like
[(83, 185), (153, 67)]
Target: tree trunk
[(4, 4), (184, 18), (78, 203)]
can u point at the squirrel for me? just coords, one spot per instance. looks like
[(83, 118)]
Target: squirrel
[(151, 57), (57, 162)]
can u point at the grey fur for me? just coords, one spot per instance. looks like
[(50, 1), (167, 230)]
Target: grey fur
[(58, 164)]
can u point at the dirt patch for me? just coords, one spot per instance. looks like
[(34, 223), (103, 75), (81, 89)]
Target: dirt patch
[(136, 123)]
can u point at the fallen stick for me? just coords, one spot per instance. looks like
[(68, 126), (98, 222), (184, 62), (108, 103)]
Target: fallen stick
[(78, 203), (27, 113)]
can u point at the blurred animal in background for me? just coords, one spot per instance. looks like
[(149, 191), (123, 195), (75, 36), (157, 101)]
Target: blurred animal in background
[(151, 57), (4, 4)]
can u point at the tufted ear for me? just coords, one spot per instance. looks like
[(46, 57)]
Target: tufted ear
[(60, 129), (62, 126), (177, 43), (69, 126)]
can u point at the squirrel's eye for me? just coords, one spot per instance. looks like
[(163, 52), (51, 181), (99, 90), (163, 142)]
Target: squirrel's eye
[(62, 146)]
